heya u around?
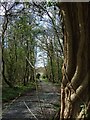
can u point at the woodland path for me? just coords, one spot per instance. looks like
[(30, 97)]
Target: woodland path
[(41, 105)]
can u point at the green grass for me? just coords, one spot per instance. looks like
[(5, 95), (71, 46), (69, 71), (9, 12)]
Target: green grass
[(45, 79), (11, 93)]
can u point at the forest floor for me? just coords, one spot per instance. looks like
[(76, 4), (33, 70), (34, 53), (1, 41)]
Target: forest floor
[(40, 104)]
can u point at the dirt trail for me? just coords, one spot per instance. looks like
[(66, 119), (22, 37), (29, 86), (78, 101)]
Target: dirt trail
[(35, 105)]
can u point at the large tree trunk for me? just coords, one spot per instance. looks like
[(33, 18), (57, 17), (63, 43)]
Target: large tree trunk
[(76, 68)]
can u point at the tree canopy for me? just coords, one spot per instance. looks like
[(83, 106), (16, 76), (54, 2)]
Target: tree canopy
[(49, 34)]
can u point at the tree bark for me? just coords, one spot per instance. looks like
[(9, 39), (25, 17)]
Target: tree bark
[(76, 67), (3, 61)]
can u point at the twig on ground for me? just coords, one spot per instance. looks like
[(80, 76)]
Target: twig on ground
[(30, 110)]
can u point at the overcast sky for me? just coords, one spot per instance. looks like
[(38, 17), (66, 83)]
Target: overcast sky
[(41, 58)]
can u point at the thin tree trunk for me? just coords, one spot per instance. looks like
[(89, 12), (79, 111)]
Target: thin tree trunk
[(58, 67), (3, 61), (52, 72)]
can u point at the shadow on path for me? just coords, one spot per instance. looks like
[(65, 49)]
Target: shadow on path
[(35, 105)]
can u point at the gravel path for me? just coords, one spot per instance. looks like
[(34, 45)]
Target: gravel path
[(35, 105)]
